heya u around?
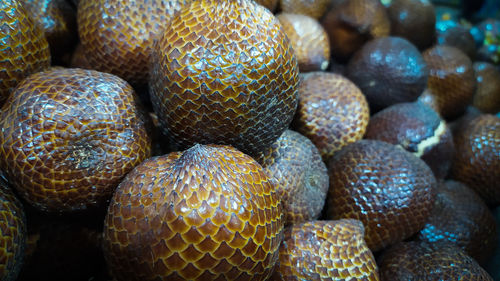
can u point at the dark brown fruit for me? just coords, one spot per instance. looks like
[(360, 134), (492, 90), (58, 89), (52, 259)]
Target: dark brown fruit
[(388, 70), (57, 19), (12, 234), (309, 41), (69, 136), (387, 188), (451, 84), (332, 112), (24, 47), (224, 72), (208, 213), (326, 250), (118, 36), (352, 23), (312, 8), (79, 58), (487, 96), (418, 129), (477, 156), (461, 217), (422, 261), (270, 4), (413, 20), (302, 178), (452, 33)]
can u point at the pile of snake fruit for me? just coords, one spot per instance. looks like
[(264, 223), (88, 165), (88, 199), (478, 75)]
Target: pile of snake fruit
[(249, 140)]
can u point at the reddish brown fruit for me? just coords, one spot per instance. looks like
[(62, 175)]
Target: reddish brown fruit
[(327, 251), (387, 188), (12, 234), (451, 84), (309, 41), (79, 59), (312, 8), (118, 36), (461, 217), (302, 178), (422, 261), (352, 23), (477, 156), (388, 70), (69, 136), (224, 72), (57, 19), (208, 213), (418, 129), (24, 47), (332, 112), (487, 96), (413, 20)]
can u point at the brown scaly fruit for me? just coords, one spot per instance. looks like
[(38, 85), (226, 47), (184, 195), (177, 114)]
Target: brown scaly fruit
[(270, 4), (69, 136), (313, 8), (487, 96), (208, 213), (117, 36), (12, 234), (296, 164), (224, 72), (326, 251), (24, 47)]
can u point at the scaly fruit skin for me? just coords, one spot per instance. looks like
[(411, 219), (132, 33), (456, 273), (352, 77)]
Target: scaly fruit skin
[(208, 213), (69, 136), (12, 234), (224, 72), (24, 48)]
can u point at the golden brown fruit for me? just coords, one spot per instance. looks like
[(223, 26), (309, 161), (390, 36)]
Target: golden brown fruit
[(388, 70), (57, 19), (69, 136), (387, 188), (118, 36), (352, 23), (24, 47), (461, 217), (309, 41), (418, 129), (12, 234), (208, 213), (312, 8), (224, 72), (302, 178), (326, 251), (451, 84), (487, 96), (332, 112), (477, 156), (421, 261), (414, 20)]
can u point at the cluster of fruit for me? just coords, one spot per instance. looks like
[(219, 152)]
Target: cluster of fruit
[(247, 140)]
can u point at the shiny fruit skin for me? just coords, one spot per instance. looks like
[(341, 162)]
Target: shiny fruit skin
[(224, 72), (208, 213), (24, 48), (69, 136)]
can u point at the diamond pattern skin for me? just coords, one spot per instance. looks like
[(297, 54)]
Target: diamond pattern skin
[(69, 136), (452, 82), (24, 49), (461, 217), (117, 36), (224, 72), (12, 234), (296, 164), (387, 188), (326, 251), (309, 41), (312, 8), (208, 213), (428, 262), (477, 156), (332, 112)]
